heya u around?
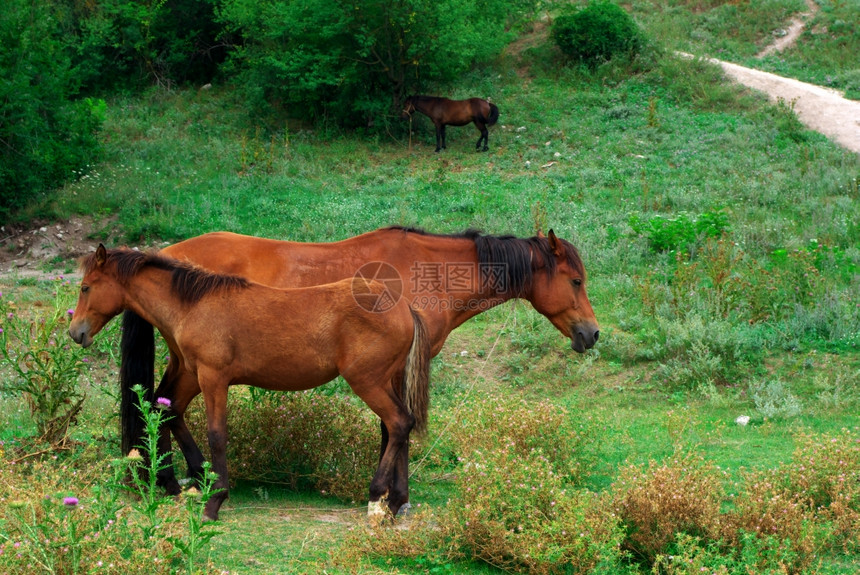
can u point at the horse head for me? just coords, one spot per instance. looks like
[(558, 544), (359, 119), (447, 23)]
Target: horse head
[(408, 108), (100, 299), (559, 294)]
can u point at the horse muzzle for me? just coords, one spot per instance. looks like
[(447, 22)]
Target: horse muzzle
[(80, 332), (583, 338)]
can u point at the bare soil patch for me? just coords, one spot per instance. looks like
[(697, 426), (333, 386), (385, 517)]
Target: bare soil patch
[(41, 247)]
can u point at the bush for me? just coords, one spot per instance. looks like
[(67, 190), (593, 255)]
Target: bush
[(321, 60), (681, 496), (524, 426), (46, 131), (311, 438), (36, 348), (514, 513), (598, 32)]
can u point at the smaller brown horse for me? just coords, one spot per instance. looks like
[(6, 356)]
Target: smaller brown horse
[(232, 331), (454, 113)]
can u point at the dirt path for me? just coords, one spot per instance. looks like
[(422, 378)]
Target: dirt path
[(820, 109), (789, 35)]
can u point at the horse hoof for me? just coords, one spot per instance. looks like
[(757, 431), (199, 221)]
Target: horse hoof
[(209, 519), (405, 510), (377, 512)]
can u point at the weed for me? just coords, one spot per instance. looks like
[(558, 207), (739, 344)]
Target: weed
[(315, 438), (681, 495), (46, 369), (773, 399), (679, 232)]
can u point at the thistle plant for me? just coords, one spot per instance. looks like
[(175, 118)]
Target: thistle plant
[(145, 466), (45, 369), (199, 531)]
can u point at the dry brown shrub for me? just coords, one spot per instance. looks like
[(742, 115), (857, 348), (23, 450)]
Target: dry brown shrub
[(679, 496), (325, 440), (803, 505), (522, 426), (516, 513)]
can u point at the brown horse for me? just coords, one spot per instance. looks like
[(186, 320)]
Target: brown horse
[(230, 331), (454, 113), (451, 278)]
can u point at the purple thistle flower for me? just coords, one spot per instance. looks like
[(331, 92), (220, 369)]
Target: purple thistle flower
[(163, 403), (70, 501), (70, 311)]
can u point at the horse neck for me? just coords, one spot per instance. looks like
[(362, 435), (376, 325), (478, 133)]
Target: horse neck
[(148, 294), (460, 304), (424, 104)]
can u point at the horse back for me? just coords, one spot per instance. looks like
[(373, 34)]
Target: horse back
[(295, 338)]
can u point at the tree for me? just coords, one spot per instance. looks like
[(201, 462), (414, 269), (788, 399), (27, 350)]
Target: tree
[(46, 132), (353, 60)]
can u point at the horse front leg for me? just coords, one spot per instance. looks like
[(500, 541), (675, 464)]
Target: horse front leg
[(440, 137), (184, 390), (166, 475), (214, 390)]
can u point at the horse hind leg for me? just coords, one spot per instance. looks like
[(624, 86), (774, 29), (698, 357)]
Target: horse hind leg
[(485, 138), (440, 138)]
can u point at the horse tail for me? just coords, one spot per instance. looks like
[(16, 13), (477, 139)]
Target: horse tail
[(494, 114), (137, 367), (416, 383)]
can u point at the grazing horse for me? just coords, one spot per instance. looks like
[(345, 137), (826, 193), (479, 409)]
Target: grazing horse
[(450, 278), (454, 113), (230, 331)]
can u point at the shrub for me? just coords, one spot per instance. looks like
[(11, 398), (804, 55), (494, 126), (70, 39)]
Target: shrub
[(524, 426), (514, 512), (680, 496), (311, 438), (679, 232), (321, 60), (794, 508), (46, 130), (67, 513), (46, 365), (773, 399), (597, 33)]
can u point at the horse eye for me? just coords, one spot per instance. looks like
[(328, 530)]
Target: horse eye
[(577, 282), (85, 289)]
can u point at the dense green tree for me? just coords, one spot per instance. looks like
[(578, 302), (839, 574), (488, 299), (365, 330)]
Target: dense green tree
[(353, 60), (46, 131)]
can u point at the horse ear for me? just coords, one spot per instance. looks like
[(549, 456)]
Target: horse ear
[(101, 255), (555, 245)]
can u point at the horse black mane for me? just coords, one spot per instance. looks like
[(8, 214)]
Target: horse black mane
[(518, 257), (188, 281)]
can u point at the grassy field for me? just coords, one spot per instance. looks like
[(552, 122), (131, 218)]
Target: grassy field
[(721, 243)]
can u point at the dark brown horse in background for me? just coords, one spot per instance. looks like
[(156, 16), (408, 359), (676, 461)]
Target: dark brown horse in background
[(229, 331), (445, 112), (545, 270)]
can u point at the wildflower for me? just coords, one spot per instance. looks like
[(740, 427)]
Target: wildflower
[(70, 311), (70, 501), (134, 455), (163, 403)]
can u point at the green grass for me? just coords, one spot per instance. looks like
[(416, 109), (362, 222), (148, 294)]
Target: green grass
[(576, 151)]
